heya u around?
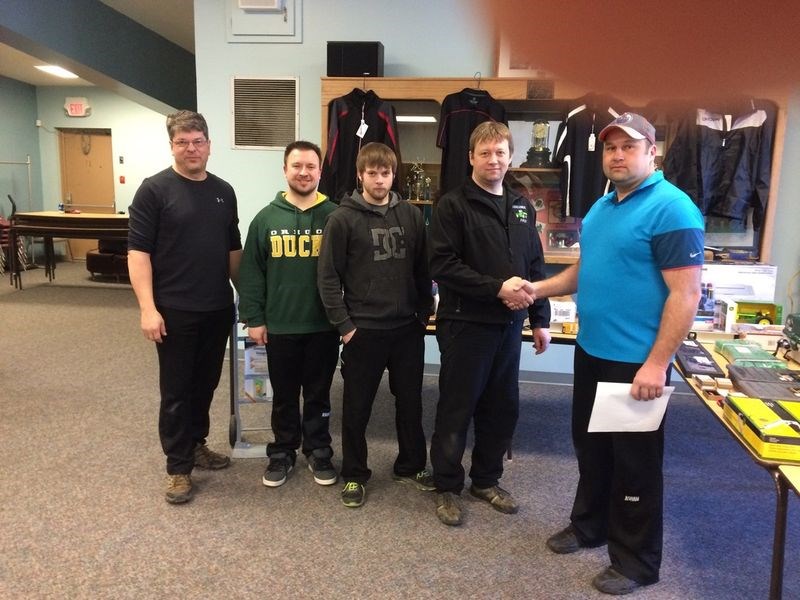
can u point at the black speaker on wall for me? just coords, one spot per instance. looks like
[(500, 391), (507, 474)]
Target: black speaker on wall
[(355, 59)]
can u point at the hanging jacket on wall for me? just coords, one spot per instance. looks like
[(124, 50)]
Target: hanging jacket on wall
[(344, 119), (722, 158), (579, 153), (461, 113)]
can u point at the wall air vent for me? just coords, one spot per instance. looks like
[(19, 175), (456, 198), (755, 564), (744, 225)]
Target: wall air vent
[(264, 112)]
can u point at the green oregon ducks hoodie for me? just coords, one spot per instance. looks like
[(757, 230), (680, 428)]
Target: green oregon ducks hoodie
[(278, 273)]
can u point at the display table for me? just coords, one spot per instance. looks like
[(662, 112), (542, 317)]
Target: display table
[(792, 476), (783, 475), (556, 336), (50, 223)]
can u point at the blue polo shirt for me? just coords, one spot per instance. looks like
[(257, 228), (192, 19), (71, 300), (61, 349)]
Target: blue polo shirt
[(624, 247)]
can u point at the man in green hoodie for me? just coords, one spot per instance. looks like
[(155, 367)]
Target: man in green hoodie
[(280, 304), (376, 288)]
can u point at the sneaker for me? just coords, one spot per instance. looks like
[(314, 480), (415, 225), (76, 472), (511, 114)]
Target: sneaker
[(565, 541), (205, 458), (423, 480), (353, 494), (499, 498), (323, 470), (278, 469), (448, 508), (179, 488), (611, 581)]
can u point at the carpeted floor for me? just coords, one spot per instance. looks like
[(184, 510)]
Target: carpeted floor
[(82, 513)]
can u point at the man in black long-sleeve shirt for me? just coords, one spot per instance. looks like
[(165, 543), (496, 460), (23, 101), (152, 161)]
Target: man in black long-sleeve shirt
[(184, 248)]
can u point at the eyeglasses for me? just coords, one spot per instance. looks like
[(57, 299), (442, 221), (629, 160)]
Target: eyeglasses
[(183, 144)]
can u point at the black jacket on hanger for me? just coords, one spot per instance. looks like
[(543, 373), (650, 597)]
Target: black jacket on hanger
[(461, 113), (580, 154), (722, 158), (339, 175)]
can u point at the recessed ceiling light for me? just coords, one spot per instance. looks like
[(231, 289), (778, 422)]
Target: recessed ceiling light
[(57, 71)]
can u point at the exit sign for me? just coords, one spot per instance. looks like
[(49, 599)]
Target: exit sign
[(77, 107)]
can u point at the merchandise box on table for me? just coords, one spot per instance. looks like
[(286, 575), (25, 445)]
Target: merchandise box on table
[(770, 427), (728, 313), (563, 311), (747, 353), (751, 281)]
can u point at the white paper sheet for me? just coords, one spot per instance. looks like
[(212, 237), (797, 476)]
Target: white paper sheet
[(615, 409)]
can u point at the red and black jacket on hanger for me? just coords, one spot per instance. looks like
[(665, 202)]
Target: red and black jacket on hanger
[(346, 113)]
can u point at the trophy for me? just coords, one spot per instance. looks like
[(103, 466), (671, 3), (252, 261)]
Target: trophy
[(539, 154), (417, 183)]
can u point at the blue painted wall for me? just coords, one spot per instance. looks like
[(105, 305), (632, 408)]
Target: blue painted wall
[(18, 141)]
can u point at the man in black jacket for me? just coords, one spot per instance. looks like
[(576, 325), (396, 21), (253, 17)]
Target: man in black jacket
[(375, 285), (484, 252)]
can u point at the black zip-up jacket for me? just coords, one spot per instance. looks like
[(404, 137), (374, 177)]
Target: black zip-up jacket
[(345, 116), (722, 158), (474, 248), (582, 179), (373, 268)]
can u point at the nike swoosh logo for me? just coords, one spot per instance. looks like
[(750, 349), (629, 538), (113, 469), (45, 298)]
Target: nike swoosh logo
[(693, 254)]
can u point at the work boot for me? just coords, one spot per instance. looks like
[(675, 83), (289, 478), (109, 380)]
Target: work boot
[(205, 458), (179, 488)]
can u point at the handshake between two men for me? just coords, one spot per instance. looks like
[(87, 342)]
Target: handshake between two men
[(517, 293)]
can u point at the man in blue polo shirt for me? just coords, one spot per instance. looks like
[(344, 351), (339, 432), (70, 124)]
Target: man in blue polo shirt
[(638, 280)]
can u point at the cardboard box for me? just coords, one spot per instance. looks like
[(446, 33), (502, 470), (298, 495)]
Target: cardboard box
[(256, 378), (741, 281), (257, 388), (255, 359), (771, 428), (562, 311), (703, 322), (727, 313)]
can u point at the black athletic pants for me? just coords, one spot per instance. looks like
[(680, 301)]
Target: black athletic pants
[(190, 361), (302, 362), (478, 382), (364, 359), (619, 499)]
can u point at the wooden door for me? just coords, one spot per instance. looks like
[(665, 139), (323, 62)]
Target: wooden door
[(87, 176)]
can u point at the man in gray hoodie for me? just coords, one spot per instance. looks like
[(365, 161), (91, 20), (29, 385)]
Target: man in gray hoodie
[(375, 285)]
